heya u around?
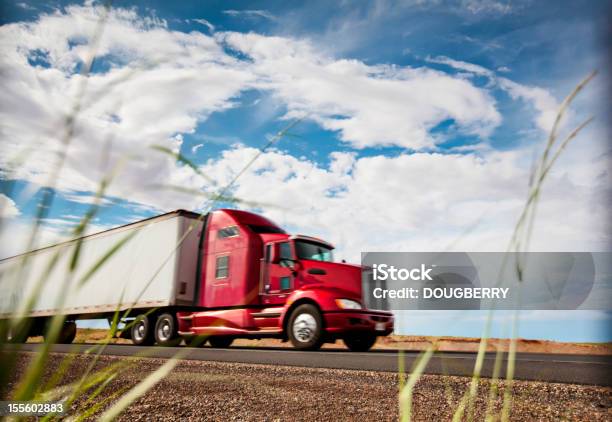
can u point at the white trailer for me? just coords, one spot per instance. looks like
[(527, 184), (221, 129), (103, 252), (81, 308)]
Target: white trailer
[(154, 266)]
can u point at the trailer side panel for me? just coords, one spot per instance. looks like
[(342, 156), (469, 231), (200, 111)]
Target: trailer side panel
[(142, 273)]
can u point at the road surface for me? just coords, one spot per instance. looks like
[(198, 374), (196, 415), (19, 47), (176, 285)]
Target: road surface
[(574, 369)]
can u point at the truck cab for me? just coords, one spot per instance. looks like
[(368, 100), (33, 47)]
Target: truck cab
[(255, 280)]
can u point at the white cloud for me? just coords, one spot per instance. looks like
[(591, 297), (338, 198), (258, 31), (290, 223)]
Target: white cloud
[(23, 5), (545, 104), (414, 202), (461, 65), (15, 236), (250, 14), (206, 23), (87, 199), (8, 208), (542, 100), (487, 6), (160, 83), (145, 97), (368, 105)]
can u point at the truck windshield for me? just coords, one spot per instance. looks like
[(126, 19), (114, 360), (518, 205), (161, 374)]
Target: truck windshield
[(313, 251)]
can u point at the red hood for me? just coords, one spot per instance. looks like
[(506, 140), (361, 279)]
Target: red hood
[(345, 277)]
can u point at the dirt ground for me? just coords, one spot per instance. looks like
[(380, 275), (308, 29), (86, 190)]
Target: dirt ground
[(410, 343), (213, 391)]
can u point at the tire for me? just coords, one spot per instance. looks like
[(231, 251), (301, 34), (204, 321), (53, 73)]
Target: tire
[(166, 330), (67, 333), (19, 334), (142, 331), (360, 342), (220, 342), (4, 332), (18, 337), (195, 341), (305, 327)]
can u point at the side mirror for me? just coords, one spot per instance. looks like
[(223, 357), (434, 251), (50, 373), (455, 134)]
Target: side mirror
[(287, 263)]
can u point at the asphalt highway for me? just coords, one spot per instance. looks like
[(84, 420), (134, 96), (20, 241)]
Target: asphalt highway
[(574, 369)]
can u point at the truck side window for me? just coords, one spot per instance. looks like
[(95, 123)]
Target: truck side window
[(285, 251), (231, 231), (285, 283), (222, 267)]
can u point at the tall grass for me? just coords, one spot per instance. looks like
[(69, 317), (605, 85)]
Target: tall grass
[(31, 386), (519, 242), (91, 384)]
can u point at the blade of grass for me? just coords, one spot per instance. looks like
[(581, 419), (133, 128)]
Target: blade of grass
[(493, 390), (184, 160), (139, 390), (507, 405), (56, 322), (216, 197), (261, 151), (522, 232), (470, 394), (100, 404), (405, 397)]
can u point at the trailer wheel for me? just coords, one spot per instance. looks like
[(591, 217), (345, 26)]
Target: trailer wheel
[(67, 333), (16, 336), (142, 331), (305, 327), (166, 331), (360, 342), (220, 342), (20, 333)]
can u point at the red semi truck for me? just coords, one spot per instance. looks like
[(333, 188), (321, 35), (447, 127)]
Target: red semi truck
[(229, 274), (256, 281)]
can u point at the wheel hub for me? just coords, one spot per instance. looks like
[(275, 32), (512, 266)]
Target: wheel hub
[(164, 330), (304, 327), (140, 330)]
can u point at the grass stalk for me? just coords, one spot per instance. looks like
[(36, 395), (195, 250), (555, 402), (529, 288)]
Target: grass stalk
[(407, 390)]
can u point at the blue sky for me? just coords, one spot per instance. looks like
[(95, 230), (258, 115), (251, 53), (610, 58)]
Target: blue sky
[(420, 122)]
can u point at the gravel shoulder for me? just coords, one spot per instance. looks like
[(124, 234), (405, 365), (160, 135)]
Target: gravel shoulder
[(197, 390)]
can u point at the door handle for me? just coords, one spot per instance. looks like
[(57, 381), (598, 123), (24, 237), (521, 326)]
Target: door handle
[(317, 271)]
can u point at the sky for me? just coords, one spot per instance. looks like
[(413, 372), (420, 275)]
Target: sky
[(414, 126)]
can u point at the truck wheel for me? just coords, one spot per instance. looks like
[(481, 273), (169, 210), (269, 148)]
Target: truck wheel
[(67, 333), (360, 342), (65, 336), (142, 331), (166, 332), (305, 327), (21, 332), (220, 341), (16, 336)]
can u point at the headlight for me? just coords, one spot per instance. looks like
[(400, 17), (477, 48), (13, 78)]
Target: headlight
[(348, 304)]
